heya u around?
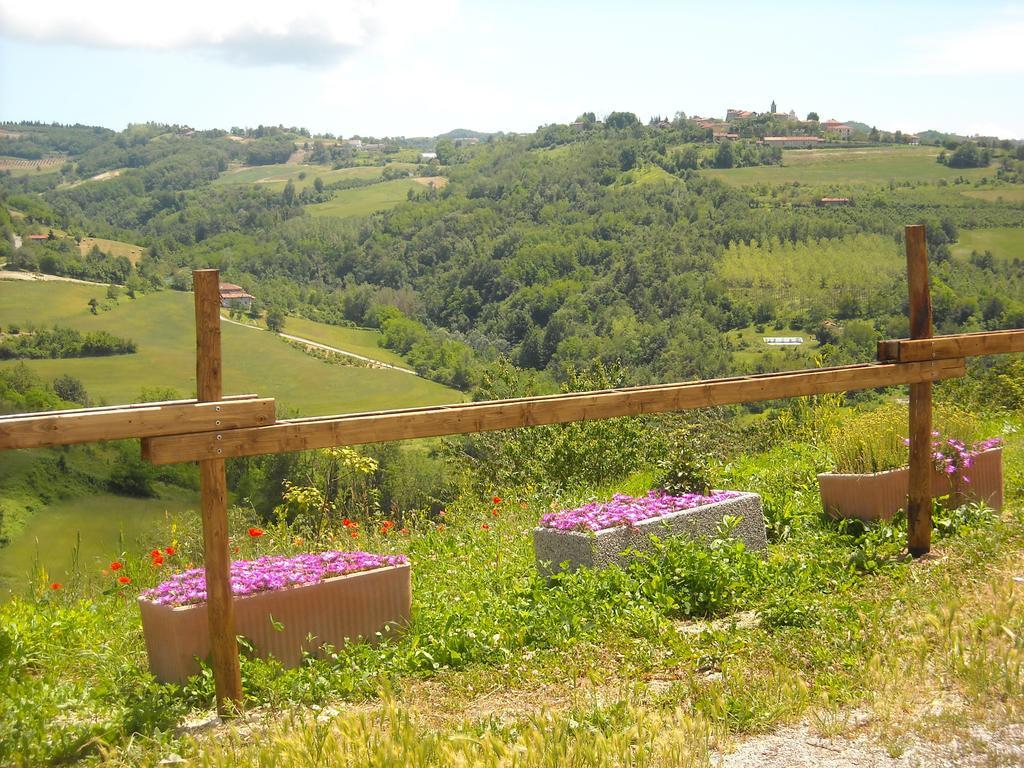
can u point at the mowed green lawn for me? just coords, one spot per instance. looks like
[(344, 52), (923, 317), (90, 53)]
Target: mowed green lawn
[(848, 166), (1004, 242), (361, 341), (162, 325), (363, 201)]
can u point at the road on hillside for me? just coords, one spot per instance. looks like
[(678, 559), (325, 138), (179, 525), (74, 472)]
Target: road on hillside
[(325, 347)]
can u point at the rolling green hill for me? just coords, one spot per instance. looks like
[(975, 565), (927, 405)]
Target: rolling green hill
[(162, 325)]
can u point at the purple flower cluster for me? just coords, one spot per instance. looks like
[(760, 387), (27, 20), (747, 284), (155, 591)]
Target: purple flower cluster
[(627, 510), (269, 573), (954, 457)]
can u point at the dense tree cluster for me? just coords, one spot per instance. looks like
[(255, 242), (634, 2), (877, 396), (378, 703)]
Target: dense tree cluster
[(59, 342)]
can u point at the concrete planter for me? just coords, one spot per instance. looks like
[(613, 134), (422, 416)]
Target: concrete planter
[(332, 611), (880, 495), (598, 549)]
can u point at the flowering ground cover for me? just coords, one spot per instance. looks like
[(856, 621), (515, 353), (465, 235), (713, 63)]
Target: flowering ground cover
[(628, 510), (269, 573), (954, 457)]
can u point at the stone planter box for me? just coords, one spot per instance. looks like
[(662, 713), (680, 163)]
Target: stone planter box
[(880, 495), (332, 611), (598, 549)]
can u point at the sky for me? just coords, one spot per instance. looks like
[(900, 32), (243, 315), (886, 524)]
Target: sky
[(422, 67)]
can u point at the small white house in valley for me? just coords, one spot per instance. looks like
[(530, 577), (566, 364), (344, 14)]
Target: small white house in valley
[(428, 155)]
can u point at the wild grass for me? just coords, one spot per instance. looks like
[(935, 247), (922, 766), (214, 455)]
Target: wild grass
[(502, 668)]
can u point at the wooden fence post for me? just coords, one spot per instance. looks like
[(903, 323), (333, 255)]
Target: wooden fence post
[(213, 491), (919, 497)]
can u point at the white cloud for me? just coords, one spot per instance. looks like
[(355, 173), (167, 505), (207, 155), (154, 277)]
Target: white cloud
[(312, 33), (993, 47)]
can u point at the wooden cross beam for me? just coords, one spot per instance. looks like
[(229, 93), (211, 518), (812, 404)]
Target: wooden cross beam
[(90, 425), (467, 418)]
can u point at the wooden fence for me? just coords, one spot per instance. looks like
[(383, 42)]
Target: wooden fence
[(214, 427)]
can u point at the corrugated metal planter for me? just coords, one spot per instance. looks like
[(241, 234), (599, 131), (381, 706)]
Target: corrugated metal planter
[(283, 623), (598, 549), (880, 495)]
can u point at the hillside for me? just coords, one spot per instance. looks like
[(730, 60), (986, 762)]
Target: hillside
[(553, 248), (161, 325)]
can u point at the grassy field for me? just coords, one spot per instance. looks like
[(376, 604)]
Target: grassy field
[(162, 325), (114, 247), (749, 348), (89, 524), (1008, 193), (277, 176), (1004, 242), (848, 166), (365, 200), (362, 341)]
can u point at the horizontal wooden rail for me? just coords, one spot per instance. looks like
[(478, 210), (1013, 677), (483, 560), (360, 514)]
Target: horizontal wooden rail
[(467, 418), (107, 408), (953, 346), (140, 420)]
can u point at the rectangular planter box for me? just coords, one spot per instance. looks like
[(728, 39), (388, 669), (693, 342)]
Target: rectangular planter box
[(880, 495), (597, 549), (333, 611)]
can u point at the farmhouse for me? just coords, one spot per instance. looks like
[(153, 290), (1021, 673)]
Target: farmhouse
[(793, 142), (720, 136), (739, 114), (235, 297), (836, 128)]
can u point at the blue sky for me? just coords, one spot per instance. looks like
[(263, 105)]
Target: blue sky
[(420, 67)]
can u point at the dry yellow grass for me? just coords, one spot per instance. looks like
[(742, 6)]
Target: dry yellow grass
[(114, 247)]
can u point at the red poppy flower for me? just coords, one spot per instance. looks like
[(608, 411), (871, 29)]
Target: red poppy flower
[(116, 566), (169, 550), (496, 499), (486, 527), (405, 531), (155, 553), (55, 585), (255, 532), (494, 511), (124, 580), (157, 562), (347, 523), (355, 534)]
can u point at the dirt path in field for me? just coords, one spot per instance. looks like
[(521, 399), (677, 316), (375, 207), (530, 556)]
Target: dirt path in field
[(799, 747), (327, 348)]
